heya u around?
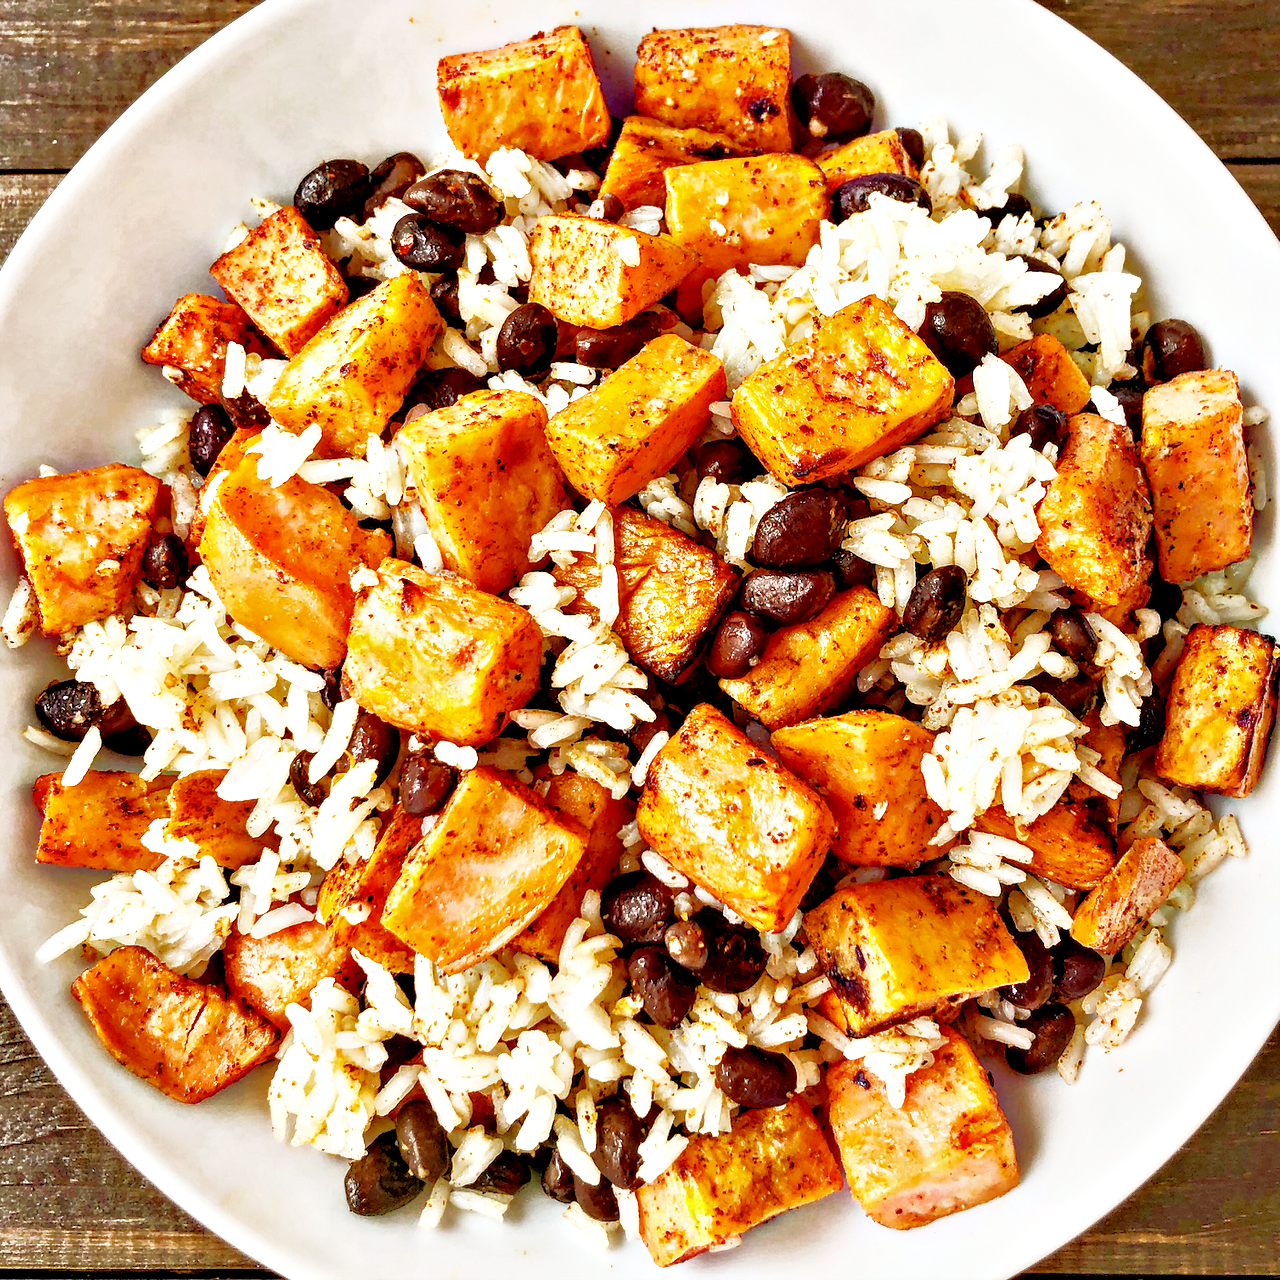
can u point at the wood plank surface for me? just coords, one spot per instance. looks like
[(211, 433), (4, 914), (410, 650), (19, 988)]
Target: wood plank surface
[(69, 1204)]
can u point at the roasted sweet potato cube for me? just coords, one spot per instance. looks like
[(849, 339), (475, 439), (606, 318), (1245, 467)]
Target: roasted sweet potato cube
[(186, 1038), (671, 591), (197, 812), (1194, 455), (866, 766), (947, 1148), (1220, 711), (811, 667), (191, 342), (279, 274), (100, 821), (733, 80), (1050, 374), (898, 949), (646, 149), (281, 559), (734, 821), (772, 1160), (860, 387), (496, 856), (1109, 917), (1070, 844), (433, 655), (353, 375), (602, 818), (597, 274), (1108, 740), (541, 95), (881, 152), (354, 893), (232, 454), (269, 974), (81, 537), (638, 421), (486, 481), (1096, 518)]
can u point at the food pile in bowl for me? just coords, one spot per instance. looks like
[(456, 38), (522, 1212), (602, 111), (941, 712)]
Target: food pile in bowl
[(662, 641)]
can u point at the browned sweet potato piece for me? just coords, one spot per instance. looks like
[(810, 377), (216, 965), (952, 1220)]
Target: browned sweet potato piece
[(881, 152), (187, 1039), (646, 149), (217, 826), (192, 342), (271, 973), (1068, 844), (99, 822), (1109, 917), (1050, 374)]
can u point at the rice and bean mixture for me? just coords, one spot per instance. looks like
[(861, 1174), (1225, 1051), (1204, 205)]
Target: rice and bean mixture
[(516, 1057)]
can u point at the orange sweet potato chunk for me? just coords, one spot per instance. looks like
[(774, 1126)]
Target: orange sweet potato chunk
[(99, 823), (271, 973)]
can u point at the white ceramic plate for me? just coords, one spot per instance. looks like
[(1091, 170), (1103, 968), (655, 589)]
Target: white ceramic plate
[(297, 81)]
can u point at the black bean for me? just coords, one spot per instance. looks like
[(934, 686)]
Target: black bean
[(937, 603), (164, 563), (444, 293), (607, 207), (598, 1202), (637, 907), (1078, 694), (686, 945), (1044, 423), (69, 709), (754, 1077), (1074, 636), (358, 286), (1130, 394), (855, 195), (308, 792), (609, 348), (1171, 347), (427, 246), (1051, 301), (645, 730), (380, 1180), (1053, 1026), (331, 694), (666, 991), (425, 785), (1038, 987), (210, 430), (392, 178), (400, 1049), (1014, 204), (912, 144), (833, 107), (726, 461), (803, 529), (1151, 723), (441, 388), (619, 1133), (421, 1140), (527, 340), (1166, 597), (959, 332), (332, 190), (505, 1176), (557, 1179), (823, 884), (739, 639), (374, 739), (787, 596), (735, 958), (456, 198), (851, 570), (1076, 970)]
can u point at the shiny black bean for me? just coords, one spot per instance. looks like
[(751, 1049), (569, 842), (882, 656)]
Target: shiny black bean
[(851, 570), (937, 603), (421, 1140), (1051, 301), (619, 1133), (557, 1179), (69, 709), (735, 958), (527, 340), (425, 785), (855, 195), (959, 332), (391, 178), (1038, 987), (803, 529), (380, 1180), (444, 293), (505, 1176), (1044, 424), (374, 739), (1076, 970), (1014, 204), (598, 1202), (607, 207), (912, 144), (1130, 394), (210, 430), (609, 348), (164, 563), (308, 792), (440, 388), (787, 596), (754, 1077), (456, 198), (726, 461), (427, 246), (637, 907), (1053, 1026), (833, 107), (121, 733), (686, 945), (332, 190), (666, 991), (1151, 723), (1078, 694), (1074, 636), (1171, 347), (739, 639)]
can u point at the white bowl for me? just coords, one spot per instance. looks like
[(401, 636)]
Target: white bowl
[(297, 81)]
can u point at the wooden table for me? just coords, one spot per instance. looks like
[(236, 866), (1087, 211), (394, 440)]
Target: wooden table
[(69, 1205)]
